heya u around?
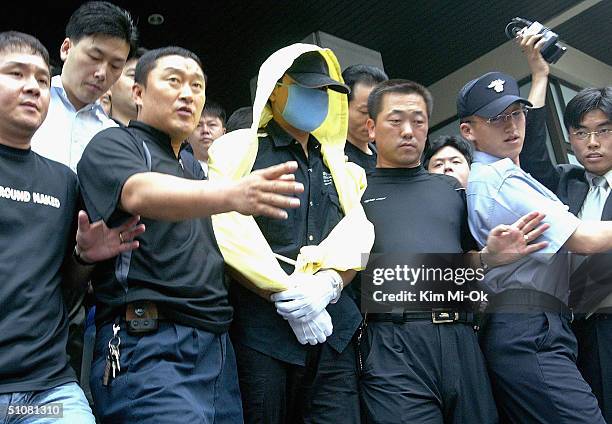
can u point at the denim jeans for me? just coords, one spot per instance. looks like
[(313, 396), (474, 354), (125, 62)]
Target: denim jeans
[(41, 407)]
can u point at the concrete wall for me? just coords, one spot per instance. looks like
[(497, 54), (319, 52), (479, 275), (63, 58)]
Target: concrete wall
[(574, 67)]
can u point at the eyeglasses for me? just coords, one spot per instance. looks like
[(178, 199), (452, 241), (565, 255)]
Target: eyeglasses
[(602, 133), (502, 118)]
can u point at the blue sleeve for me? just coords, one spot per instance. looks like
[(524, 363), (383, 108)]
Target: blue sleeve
[(518, 196)]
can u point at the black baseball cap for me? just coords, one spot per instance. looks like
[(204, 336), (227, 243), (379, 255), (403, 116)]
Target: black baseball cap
[(488, 96), (310, 70)]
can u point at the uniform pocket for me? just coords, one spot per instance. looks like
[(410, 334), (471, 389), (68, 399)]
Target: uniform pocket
[(366, 347), (549, 322), (278, 232), (330, 208)]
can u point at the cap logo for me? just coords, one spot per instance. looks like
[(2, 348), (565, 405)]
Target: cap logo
[(497, 85)]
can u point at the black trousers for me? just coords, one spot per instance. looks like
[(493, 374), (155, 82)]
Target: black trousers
[(277, 392), (595, 357), (425, 373)]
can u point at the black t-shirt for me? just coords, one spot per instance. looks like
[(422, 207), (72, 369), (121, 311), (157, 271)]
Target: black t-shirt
[(38, 201), (256, 322), (415, 212), (190, 162), (356, 155), (178, 264)]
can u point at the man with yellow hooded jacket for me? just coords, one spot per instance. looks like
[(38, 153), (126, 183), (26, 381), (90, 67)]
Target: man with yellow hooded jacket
[(296, 357)]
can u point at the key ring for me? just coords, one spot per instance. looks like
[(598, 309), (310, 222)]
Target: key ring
[(116, 329)]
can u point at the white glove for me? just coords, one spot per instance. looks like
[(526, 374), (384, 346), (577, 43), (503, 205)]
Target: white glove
[(314, 331), (309, 296)]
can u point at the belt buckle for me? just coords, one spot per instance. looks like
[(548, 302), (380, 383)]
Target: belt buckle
[(141, 317), (444, 317)]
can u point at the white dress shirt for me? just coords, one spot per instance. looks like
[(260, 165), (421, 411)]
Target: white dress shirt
[(66, 131), (591, 210), (204, 165)]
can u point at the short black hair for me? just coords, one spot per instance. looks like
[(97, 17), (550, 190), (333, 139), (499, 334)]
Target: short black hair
[(104, 18), (401, 86), (14, 41), (362, 74), (147, 62), (458, 142), (240, 118), (585, 101), (138, 53), (214, 109)]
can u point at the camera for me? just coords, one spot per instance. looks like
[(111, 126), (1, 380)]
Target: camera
[(551, 50)]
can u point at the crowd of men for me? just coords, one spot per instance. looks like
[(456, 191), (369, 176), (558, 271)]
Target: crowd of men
[(221, 261)]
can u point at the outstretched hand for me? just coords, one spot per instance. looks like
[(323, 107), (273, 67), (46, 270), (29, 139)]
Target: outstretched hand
[(96, 242), (509, 243), (268, 191)]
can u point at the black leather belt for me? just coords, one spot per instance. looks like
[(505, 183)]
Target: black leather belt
[(524, 300), (442, 316)]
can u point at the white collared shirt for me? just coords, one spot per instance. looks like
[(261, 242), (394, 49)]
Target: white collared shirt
[(595, 211), (589, 198), (204, 165), (66, 131)]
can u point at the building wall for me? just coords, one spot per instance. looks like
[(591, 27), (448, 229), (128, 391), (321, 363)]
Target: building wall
[(575, 67)]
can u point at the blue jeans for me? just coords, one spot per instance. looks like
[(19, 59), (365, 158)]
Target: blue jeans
[(37, 405)]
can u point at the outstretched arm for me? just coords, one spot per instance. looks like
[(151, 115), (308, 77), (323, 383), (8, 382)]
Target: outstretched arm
[(530, 46), (165, 197), (534, 157), (591, 237)]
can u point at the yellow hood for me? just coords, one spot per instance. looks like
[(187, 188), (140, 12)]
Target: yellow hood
[(232, 156)]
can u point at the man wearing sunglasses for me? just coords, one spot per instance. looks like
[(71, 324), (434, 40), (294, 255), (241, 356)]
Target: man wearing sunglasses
[(529, 347)]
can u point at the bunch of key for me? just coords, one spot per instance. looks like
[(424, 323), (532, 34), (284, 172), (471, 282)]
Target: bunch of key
[(112, 359)]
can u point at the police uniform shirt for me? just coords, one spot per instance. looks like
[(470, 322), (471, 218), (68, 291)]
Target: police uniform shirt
[(499, 192), (38, 204), (257, 324), (178, 264), (357, 156)]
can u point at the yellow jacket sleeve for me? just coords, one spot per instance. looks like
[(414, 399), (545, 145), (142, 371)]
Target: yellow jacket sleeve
[(232, 156)]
